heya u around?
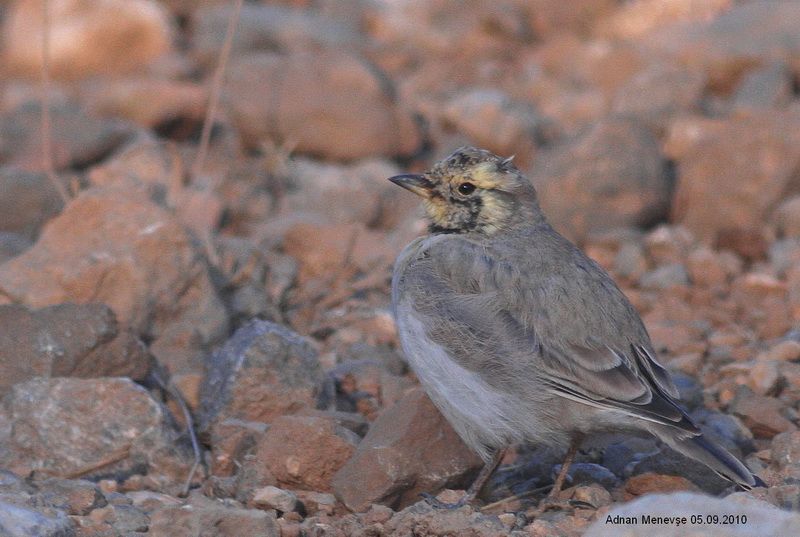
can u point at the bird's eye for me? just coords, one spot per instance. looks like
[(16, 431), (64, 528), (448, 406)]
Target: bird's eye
[(465, 189)]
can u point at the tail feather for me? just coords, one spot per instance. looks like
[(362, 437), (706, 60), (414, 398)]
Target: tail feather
[(716, 458)]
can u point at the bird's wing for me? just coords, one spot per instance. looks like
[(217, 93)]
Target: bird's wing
[(587, 345)]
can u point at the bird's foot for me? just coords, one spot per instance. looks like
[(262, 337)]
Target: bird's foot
[(555, 504), (436, 503)]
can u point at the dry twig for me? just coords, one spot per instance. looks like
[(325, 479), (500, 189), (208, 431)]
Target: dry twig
[(47, 145), (216, 88)]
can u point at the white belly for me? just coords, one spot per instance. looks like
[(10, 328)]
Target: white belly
[(484, 418)]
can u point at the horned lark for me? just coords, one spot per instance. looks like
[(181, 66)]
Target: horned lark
[(517, 336)]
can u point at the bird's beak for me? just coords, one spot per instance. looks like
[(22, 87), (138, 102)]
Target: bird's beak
[(417, 184)]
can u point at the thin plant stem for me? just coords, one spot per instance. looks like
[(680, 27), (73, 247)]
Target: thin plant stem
[(47, 145), (216, 88)]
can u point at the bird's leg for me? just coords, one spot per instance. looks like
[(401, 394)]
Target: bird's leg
[(552, 501), (562, 474), (476, 486)]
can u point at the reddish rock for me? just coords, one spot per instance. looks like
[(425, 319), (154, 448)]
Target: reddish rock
[(612, 176), (66, 426), (649, 483), (67, 340), (264, 371), (705, 268), (408, 450), (148, 102), (77, 138), (634, 20), (732, 173), (231, 440), (330, 103), (115, 246), (76, 28), (305, 452), (322, 249), (785, 351), (762, 415)]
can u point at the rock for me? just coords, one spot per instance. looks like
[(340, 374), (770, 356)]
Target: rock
[(321, 249), (742, 37), (330, 103), (66, 340), (769, 86), (11, 245), (77, 138), (318, 502), (784, 351), (594, 495), (649, 483), (732, 172), (762, 518), (658, 93), (611, 176), (148, 102), (68, 427), (762, 415), (19, 521), (409, 449), (422, 519), (231, 440), (587, 473), (764, 377), (275, 498), (208, 518), (264, 371), (667, 245), (634, 20), (344, 194), (664, 277), (109, 245), (705, 268), (787, 217), (491, 119), (305, 452), (75, 497), (28, 201), (269, 27), (76, 27)]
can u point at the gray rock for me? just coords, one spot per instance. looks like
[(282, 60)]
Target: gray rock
[(28, 200), (762, 518), (264, 371), (88, 427), (66, 340), (587, 473), (78, 138), (665, 277), (18, 521), (612, 176)]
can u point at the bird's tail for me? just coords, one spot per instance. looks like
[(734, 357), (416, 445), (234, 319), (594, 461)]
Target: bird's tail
[(716, 458)]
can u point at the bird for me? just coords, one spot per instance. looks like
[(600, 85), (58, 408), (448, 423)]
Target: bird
[(517, 336)]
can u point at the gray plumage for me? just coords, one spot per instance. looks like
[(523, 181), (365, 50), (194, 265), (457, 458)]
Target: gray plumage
[(515, 334)]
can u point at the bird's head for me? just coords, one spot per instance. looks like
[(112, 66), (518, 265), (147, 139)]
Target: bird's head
[(474, 191)]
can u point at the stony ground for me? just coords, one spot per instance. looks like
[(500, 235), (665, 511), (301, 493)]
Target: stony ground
[(248, 293)]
